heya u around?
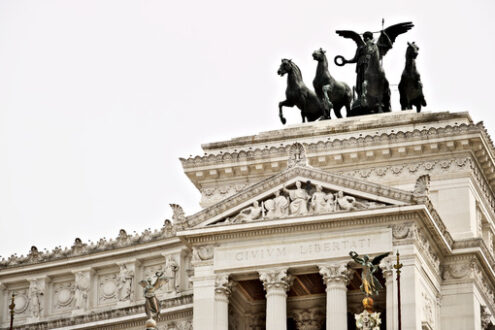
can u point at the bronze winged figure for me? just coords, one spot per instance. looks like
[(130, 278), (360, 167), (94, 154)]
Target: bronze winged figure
[(372, 88), (371, 285)]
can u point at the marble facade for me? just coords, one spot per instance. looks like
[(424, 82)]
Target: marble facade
[(281, 211)]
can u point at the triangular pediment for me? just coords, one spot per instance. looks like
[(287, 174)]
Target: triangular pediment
[(300, 191)]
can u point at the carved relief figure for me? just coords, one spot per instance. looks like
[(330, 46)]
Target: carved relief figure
[(171, 268), (299, 200), (125, 281), (250, 213), (319, 201), (35, 301), (277, 207), (345, 203), (81, 290)]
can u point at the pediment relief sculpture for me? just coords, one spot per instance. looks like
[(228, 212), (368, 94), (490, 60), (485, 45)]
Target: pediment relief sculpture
[(298, 200)]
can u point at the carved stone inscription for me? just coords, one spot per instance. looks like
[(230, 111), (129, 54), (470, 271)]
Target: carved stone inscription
[(312, 248)]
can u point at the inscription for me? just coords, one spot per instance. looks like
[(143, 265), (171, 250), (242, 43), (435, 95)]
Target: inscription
[(317, 248)]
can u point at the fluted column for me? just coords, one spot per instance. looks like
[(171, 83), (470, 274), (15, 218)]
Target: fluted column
[(223, 289), (388, 273), (276, 284), (336, 277)]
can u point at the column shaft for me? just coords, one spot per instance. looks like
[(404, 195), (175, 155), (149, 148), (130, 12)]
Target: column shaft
[(336, 306), (276, 309), (221, 312)]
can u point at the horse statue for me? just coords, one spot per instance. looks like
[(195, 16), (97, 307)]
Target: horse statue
[(410, 86), (333, 94), (298, 94), (372, 87)]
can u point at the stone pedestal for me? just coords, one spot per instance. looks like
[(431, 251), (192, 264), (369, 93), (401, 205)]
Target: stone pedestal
[(336, 277), (276, 284)]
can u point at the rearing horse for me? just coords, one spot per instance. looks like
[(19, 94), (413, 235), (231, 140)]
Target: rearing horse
[(410, 86), (298, 94), (331, 92)]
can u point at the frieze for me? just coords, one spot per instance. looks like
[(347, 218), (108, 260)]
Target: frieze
[(299, 201), (108, 314)]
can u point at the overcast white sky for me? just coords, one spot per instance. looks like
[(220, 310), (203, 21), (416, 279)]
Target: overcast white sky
[(99, 98)]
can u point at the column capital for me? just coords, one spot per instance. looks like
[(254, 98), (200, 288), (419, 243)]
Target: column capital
[(308, 319), (387, 267), (336, 273), (223, 286), (276, 279)]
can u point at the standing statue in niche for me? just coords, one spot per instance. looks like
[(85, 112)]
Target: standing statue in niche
[(298, 94), (277, 207), (332, 93), (81, 292), (299, 200), (370, 284), (152, 304), (171, 268), (410, 86), (372, 87), (35, 301), (125, 284)]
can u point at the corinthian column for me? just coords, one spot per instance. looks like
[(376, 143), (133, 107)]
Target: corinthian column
[(336, 277), (387, 270), (276, 284), (223, 289)]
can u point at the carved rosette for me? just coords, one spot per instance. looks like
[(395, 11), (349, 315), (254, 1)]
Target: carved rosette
[(276, 280), (308, 319), (335, 274), (223, 286)]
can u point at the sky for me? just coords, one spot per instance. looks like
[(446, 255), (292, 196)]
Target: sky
[(100, 98)]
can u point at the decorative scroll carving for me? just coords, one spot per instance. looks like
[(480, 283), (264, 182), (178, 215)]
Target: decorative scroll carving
[(276, 279), (485, 317), (335, 273), (299, 201), (203, 252), (178, 217), (223, 285), (308, 319)]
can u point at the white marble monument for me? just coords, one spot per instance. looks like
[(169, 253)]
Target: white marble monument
[(270, 248)]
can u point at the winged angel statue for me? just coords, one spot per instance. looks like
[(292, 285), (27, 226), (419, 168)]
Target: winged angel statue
[(371, 285), (372, 87), (152, 304)]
